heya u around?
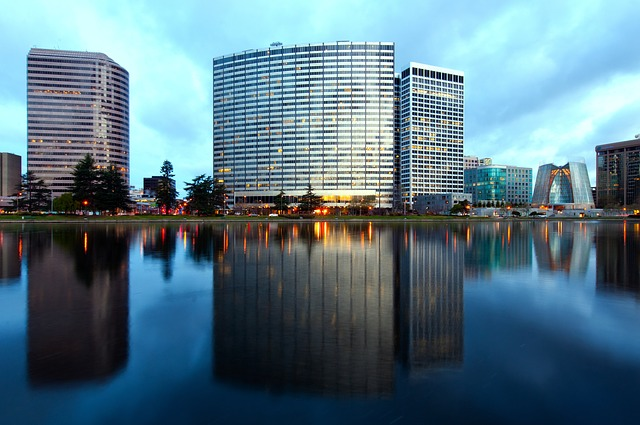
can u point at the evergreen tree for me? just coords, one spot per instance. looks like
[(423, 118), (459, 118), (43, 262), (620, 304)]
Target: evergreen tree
[(166, 194), (280, 202), (205, 196), (33, 194), (85, 182), (309, 202), (219, 195), (112, 194)]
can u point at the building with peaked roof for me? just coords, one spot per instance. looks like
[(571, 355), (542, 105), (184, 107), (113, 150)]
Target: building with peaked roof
[(562, 187)]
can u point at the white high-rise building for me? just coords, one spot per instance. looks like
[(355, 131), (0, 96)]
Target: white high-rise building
[(431, 131), (77, 104), (311, 114)]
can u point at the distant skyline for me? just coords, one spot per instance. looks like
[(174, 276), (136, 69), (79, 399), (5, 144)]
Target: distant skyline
[(545, 81)]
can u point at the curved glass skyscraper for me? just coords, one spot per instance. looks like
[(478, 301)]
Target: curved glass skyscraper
[(77, 104), (314, 114), (566, 186)]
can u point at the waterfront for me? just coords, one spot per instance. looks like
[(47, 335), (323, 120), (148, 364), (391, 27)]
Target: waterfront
[(270, 322)]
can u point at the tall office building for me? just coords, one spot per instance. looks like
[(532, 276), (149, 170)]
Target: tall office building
[(10, 171), (618, 174), (77, 104), (313, 114), (431, 131)]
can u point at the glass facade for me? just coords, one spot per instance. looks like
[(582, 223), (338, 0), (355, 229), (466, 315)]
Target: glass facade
[(431, 131), (315, 114), (618, 174), (77, 104), (502, 183), (567, 186)]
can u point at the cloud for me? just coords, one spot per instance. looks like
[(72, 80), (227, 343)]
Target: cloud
[(545, 79)]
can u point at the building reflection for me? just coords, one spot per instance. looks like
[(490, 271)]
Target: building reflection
[(331, 307), (306, 308), (78, 303), (563, 246), (498, 245), (430, 297), (10, 256), (618, 256)]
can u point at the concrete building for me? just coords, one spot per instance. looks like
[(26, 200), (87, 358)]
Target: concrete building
[(150, 185), (77, 104), (439, 203), (499, 183), (565, 187), (474, 162), (10, 173), (287, 117), (618, 174), (431, 131), (470, 162)]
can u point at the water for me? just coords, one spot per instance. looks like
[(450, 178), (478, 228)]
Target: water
[(346, 323)]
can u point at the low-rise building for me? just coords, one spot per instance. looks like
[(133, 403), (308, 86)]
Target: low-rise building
[(439, 203), (505, 184)]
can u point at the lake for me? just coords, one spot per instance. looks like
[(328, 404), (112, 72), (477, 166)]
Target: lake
[(508, 321)]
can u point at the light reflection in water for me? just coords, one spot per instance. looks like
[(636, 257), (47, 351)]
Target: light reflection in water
[(339, 310)]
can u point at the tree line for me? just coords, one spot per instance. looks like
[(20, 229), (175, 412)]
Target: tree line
[(104, 190)]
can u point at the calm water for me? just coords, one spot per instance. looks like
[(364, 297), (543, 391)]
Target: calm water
[(407, 323)]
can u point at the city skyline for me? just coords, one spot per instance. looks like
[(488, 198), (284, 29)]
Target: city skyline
[(545, 82)]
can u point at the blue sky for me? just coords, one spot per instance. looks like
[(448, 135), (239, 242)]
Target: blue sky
[(545, 81)]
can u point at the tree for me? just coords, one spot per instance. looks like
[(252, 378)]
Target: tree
[(280, 202), (219, 195), (309, 202), (362, 204), (112, 194), (205, 196), (65, 203), (460, 208), (33, 194), (85, 182), (166, 193)]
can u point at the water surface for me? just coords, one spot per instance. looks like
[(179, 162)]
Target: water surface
[(326, 322)]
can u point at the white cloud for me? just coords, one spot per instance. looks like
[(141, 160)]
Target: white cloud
[(544, 80)]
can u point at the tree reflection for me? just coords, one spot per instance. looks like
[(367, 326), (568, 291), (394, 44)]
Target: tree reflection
[(159, 243), (95, 250)]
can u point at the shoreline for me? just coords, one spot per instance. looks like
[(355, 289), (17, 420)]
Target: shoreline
[(242, 219)]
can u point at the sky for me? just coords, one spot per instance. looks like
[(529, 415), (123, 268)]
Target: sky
[(545, 81)]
